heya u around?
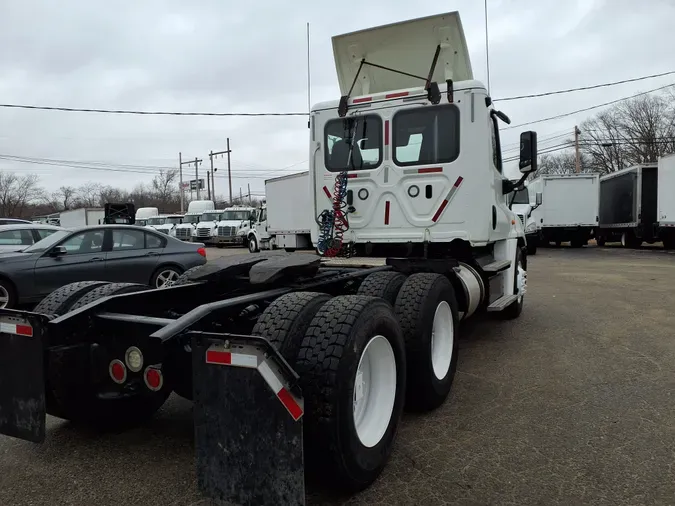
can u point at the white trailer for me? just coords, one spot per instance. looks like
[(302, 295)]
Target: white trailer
[(569, 207), (285, 220), (666, 200), (83, 217)]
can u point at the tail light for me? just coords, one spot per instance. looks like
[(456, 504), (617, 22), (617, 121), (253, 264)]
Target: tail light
[(202, 252), (153, 377), (118, 371)]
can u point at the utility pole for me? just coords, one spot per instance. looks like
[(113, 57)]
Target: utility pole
[(197, 175), (249, 194), (181, 163), (577, 159), (229, 175), (208, 184), (213, 183)]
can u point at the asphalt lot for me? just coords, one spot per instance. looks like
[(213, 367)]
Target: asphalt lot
[(571, 404)]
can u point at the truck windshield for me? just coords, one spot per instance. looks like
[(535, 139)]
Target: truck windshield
[(141, 223), (191, 218), (156, 221), (174, 220), (235, 215), (353, 143), (210, 217), (522, 197), (426, 135)]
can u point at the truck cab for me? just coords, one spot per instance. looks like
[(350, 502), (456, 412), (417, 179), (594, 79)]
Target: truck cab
[(143, 213), (207, 227), (169, 224), (187, 231), (523, 203), (234, 225)]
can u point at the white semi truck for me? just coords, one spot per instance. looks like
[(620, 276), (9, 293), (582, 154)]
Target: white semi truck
[(143, 213), (296, 362), (165, 224), (569, 208), (523, 203), (284, 220), (207, 228), (234, 226), (187, 231)]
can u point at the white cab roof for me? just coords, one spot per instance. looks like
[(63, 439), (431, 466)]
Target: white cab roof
[(408, 46)]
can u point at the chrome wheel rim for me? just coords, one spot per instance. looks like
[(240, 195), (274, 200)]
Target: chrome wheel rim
[(166, 277)]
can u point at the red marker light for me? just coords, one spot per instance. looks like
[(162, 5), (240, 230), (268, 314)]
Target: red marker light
[(153, 378), (118, 371)]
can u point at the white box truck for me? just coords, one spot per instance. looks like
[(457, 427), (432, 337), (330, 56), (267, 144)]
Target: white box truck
[(666, 200), (84, 217), (569, 208), (284, 220)]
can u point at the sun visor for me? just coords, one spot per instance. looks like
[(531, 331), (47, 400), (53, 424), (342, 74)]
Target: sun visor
[(407, 47)]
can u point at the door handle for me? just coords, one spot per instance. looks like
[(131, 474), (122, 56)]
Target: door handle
[(151, 254), (95, 259)]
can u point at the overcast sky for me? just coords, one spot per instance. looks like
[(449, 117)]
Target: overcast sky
[(225, 56)]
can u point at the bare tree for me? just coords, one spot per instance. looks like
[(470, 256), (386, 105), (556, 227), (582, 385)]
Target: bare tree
[(164, 186), (17, 192), (634, 131), (67, 196), (89, 194)]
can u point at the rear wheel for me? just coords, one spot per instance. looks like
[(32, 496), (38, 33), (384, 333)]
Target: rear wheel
[(8, 297), (352, 372), (385, 285), (166, 275), (88, 402), (600, 241), (426, 307)]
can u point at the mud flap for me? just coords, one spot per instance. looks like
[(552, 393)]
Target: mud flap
[(248, 422), (22, 384)]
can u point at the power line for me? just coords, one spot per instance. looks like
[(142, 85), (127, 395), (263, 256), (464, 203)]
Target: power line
[(587, 108), (583, 88), (148, 113)]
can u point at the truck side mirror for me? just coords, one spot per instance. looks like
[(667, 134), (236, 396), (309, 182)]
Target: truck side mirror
[(538, 198), (528, 152)]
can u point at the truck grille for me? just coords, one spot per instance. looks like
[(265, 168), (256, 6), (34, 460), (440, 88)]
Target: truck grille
[(522, 219), (203, 232), (183, 233), (227, 231)]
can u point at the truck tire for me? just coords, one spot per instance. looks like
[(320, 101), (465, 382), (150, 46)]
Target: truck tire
[(286, 320), (184, 279), (352, 369), (600, 241), (576, 243), (80, 403), (59, 301), (253, 244), (426, 307), (106, 290), (385, 285), (514, 309)]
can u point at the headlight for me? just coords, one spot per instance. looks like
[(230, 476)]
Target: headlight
[(531, 227)]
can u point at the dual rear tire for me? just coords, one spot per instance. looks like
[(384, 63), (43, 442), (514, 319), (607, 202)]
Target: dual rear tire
[(361, 359)]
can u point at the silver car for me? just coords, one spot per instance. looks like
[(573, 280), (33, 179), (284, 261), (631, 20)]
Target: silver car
[(120, 253), (20, 236)]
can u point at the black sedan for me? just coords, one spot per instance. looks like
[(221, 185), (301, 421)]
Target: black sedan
[(120, 253)]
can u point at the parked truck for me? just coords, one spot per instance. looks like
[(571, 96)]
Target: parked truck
[(666, 201), (187, 231), (143, 213), (628, 206), (83, 217), (234, 226), (569, 208), (298, 362), (523, 204), (207, 228), (283, 221)]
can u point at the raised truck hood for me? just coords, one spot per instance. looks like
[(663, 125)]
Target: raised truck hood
[(408, 46)]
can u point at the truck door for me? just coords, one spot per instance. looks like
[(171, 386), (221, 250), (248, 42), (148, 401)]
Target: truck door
[(500, 221)]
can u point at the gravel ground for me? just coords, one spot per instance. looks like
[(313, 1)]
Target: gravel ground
[(570, 404)]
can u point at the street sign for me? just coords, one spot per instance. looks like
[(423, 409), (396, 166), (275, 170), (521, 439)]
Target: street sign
[(193, 184)]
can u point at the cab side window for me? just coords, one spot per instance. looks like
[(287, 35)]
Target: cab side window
[(496, 144)]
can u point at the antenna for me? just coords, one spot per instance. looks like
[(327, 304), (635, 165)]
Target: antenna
[(309, 82), (487, 48)]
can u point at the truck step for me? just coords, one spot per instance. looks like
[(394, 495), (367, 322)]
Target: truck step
[(498, 266), (502, 303)]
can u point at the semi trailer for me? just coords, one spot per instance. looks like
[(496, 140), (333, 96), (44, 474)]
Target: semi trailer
[(666, 203), (568, 210), (299, 363)]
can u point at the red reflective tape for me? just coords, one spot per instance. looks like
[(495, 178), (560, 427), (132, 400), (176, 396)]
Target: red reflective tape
[(429, 170), (289, 403), (352, 176), (24, 330), (386, 133), (397, 95), (361, 100), (440, 210), (386, 213), (326, 191), (458, 182), (218, 357)]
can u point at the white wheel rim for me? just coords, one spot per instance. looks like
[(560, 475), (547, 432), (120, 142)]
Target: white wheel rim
[(374, 391), (521, 280), (623, 239), (167, 276), (251, 245), (4, 297), (442, 340)]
